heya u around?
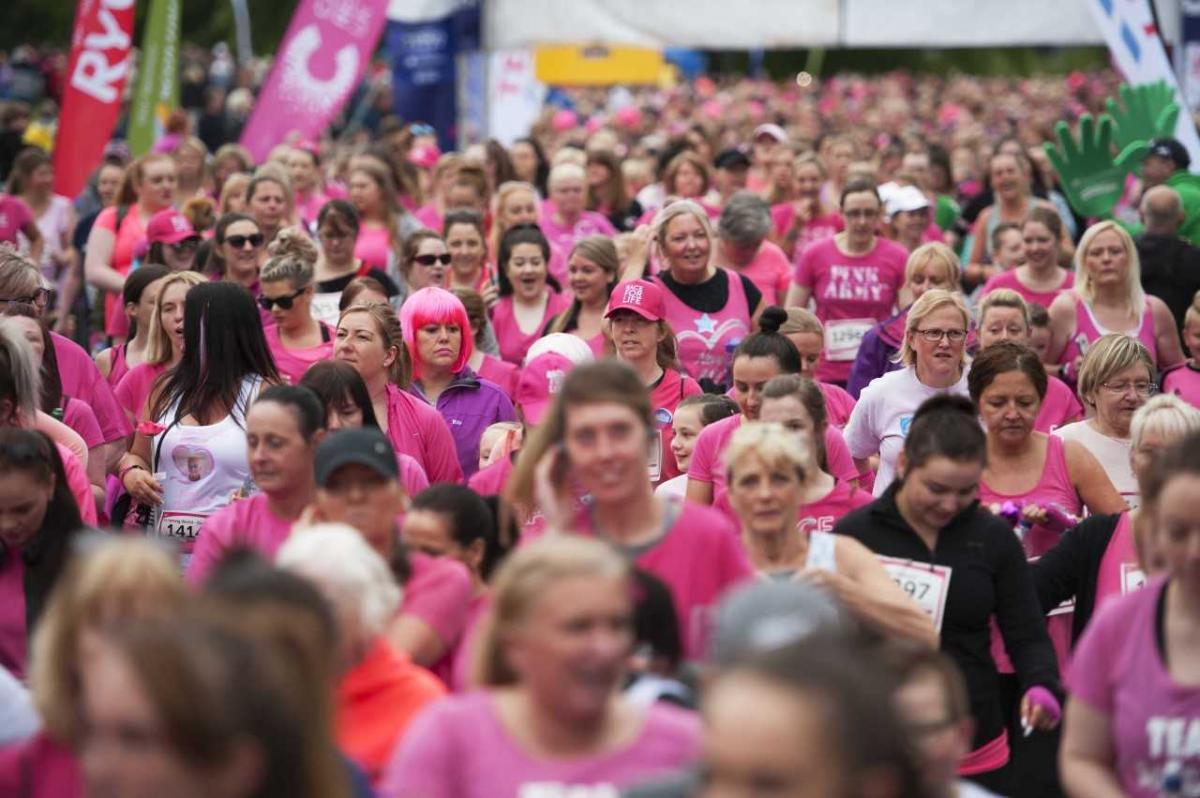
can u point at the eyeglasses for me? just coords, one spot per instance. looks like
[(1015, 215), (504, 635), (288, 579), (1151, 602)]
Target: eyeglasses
[(255, 240), (186, 245), (1141, 387), (284, 302), (39, 297), (429, 260), (934, 336)]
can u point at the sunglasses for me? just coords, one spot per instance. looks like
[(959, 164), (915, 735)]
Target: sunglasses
[(186, 245), (429, 260), (255, 240), (284, 302)]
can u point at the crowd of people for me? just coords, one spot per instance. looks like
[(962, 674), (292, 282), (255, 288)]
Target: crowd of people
[(737, 439)]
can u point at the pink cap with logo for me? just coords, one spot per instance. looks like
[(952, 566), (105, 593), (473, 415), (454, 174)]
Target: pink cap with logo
[(541, 379), (169, 227), (641, 296)]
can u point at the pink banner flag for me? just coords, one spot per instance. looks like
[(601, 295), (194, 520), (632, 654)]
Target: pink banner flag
[(97, 71), (327, 48)]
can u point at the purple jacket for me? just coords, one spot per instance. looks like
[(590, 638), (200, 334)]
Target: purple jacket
[(875, 353), (470, 405)]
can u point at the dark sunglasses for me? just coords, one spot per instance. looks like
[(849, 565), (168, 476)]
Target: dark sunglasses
[(284, 302), (429, 260), (186, 245), (255, 240)]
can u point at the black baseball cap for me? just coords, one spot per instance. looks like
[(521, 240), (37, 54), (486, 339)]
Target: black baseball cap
[(1172, 150), (732, 158), (365, 446)]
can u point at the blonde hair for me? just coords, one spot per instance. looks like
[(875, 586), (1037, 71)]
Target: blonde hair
[(158, 348), (1005, 298), (1167, 414), (930, 302), (1192, 314), (293, 258), (1109, 355), (272, 172), (935, 251), (668, 214), (19, 276), (772, 443), (801, 320), (120, 580), (388, 327), (565, 171), (233, 188), (1133, 278), (500, 223), (522, 581)]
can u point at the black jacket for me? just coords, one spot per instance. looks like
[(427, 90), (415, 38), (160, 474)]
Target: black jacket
[(1170, 270), (1072, 568), (989, 577)]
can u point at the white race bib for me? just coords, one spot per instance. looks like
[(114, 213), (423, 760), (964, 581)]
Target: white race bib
[(925, 583), (655, 461), (325, 308), (843, 336), (1133, 578), (180, 526)]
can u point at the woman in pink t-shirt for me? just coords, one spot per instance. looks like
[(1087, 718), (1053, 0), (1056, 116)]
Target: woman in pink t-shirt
[(549, 717), (594, 440), (139, 295), (466, 240), (564, 218), (1108, 298), (743, 228), (149, 187), (1039, 279), (592, 273), (373, 193), (270, 201), (1004, 316), (767, 466), (296, 339), (806, 219), (807, 334), (1183, 380), (489, 367), (853, 279), (304, 168), (1133, 717), (368, 337), (529, 297)]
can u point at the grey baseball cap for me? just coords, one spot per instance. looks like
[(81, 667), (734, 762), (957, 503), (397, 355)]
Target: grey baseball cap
[(764, 616)]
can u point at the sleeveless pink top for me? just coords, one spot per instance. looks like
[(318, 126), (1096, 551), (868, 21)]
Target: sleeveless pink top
[(1120, 573), (119, 366), (512, 341), (1008, 279), (292, 363), (1088, 330), (706, 341)]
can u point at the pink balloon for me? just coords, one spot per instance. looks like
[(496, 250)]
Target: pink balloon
[(630, 116), (564, 120)]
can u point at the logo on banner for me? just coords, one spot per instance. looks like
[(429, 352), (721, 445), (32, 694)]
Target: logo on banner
[(302, 87), (93, 74)]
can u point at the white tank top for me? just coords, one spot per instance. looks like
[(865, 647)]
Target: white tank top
[(200, 467)]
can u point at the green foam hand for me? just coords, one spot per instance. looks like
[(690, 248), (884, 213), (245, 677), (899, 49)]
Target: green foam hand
[(1145, 112), (1092, 180)]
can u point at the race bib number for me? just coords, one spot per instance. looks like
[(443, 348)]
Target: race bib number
[(181, 527), (656, 452), (325, 308), (1133, 578), (843, 336), (925, 583)]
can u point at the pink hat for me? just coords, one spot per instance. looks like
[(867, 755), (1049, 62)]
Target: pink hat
[(564, 120), (169, 227), (641, 296), (424, 155), (541, 379)]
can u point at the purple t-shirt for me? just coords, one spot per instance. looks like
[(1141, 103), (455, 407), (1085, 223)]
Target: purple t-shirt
[(470, 405), (458, 748), (1118, 671)]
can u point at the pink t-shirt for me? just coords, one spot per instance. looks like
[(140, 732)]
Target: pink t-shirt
[(14, 215), (247, 523), (126, 242), (78, 416), (771, 273), (665, 397), (310, 207), (463, 658), (851, 294), (1120, 570), (77, 481), (134, 388), (506, 375), (512, 341), (438, 592), (429, 216), (459, 748), (1184, 382), (40, 768), (292, 363), (1118, 672), (821, 515), (1058, 408), (783, 216), (83, 381), (563, 237), (373, 246), (708, 454), (1008, 279), (418, 430), (1088, 330), (838, 404), (707, 340)]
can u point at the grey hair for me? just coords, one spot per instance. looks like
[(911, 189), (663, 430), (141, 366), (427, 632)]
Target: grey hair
[(351, 575), (24, 375), (745, 220), (1165, 414)]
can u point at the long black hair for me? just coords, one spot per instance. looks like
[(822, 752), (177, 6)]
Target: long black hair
[(223, 344), (516, 235)]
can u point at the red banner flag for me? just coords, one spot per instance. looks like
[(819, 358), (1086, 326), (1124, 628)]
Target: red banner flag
[(99, 66)]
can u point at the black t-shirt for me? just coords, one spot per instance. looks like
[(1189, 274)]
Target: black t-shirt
[(711, 295), (338, 284)]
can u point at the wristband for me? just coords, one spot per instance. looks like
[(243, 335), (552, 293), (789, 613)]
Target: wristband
[(133, 467), (1041, 697)]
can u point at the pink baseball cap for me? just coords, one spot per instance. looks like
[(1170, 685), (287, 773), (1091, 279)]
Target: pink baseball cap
[(424, 155), (169, 227), (541, 379), (641, 296)]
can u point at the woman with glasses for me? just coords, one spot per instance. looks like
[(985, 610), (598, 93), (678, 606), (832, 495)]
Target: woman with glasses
[(295, 338), (1116, 377), (529, 297), (338, 225), (426, 262), (935, 362), (853, 278), (1108, 298), (238, 253), (173, 241)]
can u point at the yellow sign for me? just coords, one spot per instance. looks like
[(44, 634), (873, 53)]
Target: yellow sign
[(597, 65)]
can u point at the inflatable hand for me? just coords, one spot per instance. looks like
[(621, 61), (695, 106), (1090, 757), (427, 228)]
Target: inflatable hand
[(1147, 111), (1091, 178)]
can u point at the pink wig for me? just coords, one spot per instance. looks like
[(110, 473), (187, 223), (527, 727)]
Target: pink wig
[(435, 306)]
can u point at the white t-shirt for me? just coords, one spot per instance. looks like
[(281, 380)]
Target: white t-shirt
[(967, 789), (675, 486), (1113, 454), (880, 420)]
